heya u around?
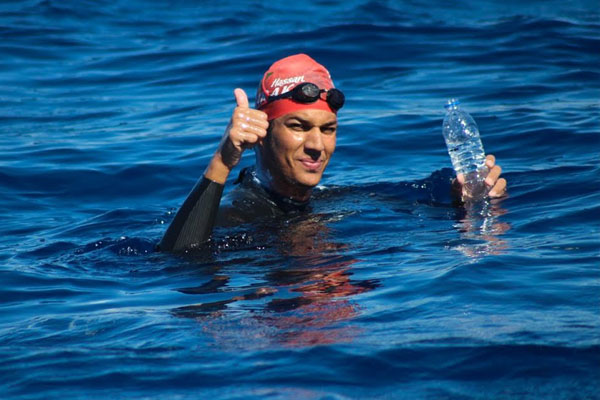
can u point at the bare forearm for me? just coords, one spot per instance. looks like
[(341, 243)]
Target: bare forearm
[(216, 170)]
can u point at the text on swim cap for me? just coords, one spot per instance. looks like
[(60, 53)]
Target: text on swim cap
[(280, 82)]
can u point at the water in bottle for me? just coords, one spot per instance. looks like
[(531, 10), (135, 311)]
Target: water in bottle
[(465, 149)]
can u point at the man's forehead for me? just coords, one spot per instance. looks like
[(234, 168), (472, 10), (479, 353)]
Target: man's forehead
[(315, 117)]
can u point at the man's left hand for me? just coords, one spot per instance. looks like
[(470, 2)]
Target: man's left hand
[(495, 184)]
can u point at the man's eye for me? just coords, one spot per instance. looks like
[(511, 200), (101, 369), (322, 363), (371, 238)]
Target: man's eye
[(329, 129), (295, 126)]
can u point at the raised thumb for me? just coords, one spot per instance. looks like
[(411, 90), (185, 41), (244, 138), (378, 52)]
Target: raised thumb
[(241, 98)]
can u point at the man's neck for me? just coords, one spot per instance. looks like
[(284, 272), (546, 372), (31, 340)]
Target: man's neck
[(282, 187)]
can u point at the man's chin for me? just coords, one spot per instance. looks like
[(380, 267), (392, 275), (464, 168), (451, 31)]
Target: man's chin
[(309, 180)]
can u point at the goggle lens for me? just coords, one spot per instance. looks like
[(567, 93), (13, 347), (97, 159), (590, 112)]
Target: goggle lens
[(309, 93), (336, 99)]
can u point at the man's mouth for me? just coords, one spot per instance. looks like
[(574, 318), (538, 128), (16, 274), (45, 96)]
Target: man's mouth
[(310, 164)]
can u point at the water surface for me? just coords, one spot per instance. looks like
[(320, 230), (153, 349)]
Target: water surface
[(386, 289)]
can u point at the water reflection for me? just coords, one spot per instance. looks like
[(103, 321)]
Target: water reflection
[(292, 282), (481, 229), (304, 298)]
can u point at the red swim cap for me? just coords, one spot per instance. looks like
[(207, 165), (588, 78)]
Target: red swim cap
[(286, 74)]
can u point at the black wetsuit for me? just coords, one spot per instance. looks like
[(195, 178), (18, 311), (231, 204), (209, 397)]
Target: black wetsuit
[(251, 201), (194, 222)]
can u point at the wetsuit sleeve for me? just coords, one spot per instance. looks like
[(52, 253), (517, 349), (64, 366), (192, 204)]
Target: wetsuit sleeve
[(194, 221)]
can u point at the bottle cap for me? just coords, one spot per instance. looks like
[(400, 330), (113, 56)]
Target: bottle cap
[(452, 104)]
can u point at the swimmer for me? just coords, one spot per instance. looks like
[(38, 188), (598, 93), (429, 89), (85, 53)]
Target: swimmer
[(292, 130)]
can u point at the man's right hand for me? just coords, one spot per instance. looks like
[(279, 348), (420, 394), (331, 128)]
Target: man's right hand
[(246, 128)]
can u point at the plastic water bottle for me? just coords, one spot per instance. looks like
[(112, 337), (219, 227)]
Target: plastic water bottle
[(465, 149)]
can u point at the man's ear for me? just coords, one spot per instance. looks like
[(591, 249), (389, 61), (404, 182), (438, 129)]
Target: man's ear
[(261, 144), (259, 148)]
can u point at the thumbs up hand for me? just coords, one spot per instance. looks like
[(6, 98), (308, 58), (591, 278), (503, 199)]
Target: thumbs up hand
[(246, 128)]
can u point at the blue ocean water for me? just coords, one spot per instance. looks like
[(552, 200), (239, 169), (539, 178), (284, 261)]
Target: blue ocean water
[(110, 111)]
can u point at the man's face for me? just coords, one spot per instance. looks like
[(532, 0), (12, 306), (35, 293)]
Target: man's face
[(298, 148)]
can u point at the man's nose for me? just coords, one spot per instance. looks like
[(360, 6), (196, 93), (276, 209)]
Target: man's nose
[(314, 140)]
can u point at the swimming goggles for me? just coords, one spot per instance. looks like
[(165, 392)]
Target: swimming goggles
[(309, 93)]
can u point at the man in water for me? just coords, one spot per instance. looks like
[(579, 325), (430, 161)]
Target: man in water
[(293, 132)]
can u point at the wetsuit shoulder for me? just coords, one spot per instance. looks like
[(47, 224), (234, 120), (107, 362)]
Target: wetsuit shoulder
[(248, 201)]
